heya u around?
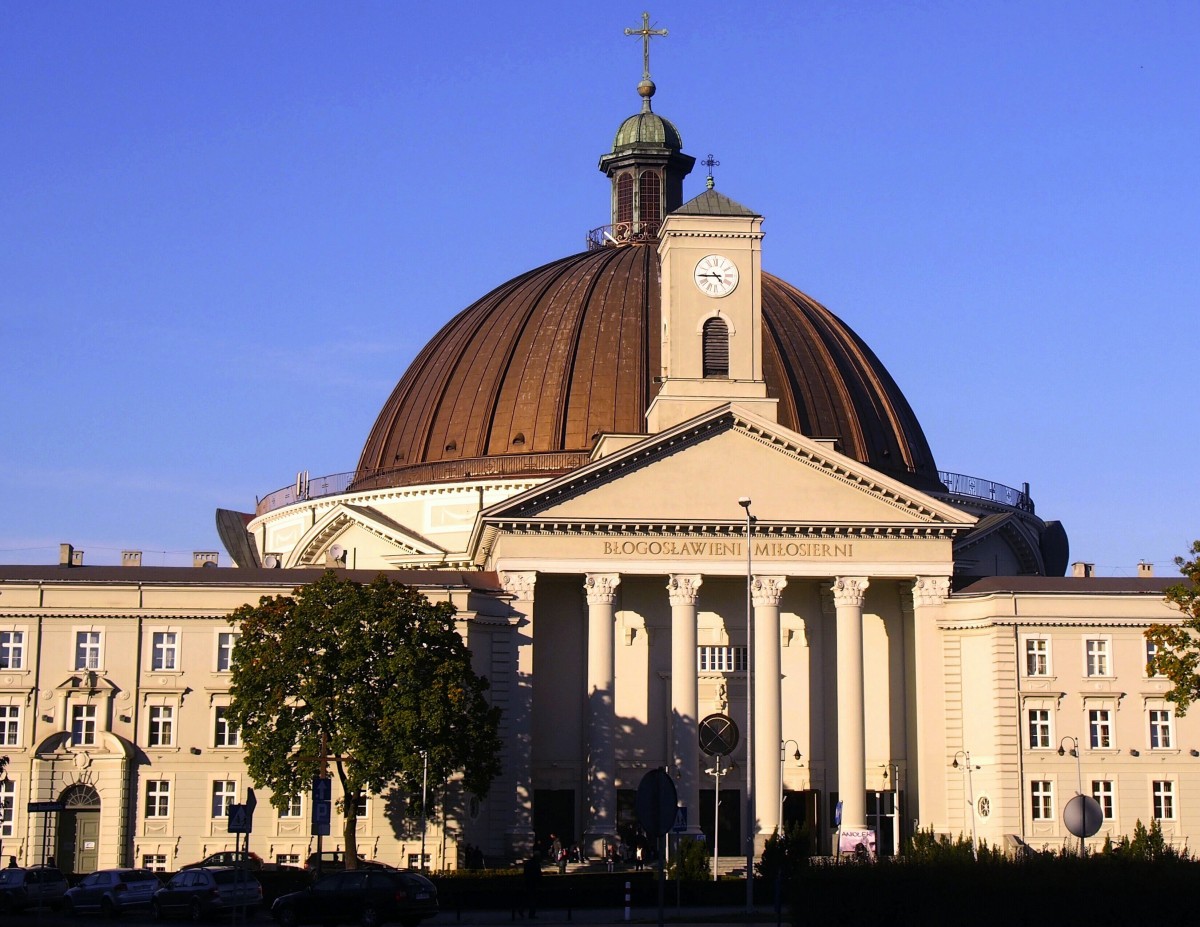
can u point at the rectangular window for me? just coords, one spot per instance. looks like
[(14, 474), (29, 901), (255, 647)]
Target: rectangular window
[(83, 725), (1100, 728), (155, 862), (158, 798), (362, 807), (224, 733), (1160, 729), (12, 650), (1039, 728), (8, 795), (87, 650), (10, 725), (165, 651), (721, 659), (1097, 657), (1102, 791), (1041, 796), (1151, 653), (162, 726), (293, 809), (414, 861), (225, 644), (224, 794), (287, 859), (1164, 800), (1037, 656)]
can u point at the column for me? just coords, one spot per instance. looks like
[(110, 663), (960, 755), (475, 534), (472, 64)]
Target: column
[(927, 800), (768, 697), (601, 591), (685, 700), (512, 692), (848, 593)]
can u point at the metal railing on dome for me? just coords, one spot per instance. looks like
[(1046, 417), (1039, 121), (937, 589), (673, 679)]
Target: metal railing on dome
[(609, 236), (959, 484), (302, 490)]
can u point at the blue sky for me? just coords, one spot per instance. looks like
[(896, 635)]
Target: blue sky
[(226, 228)]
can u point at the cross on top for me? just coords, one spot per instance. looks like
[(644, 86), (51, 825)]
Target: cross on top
[(646, 33), (710, 162)]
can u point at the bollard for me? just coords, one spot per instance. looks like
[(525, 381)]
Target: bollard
[(627, 886)]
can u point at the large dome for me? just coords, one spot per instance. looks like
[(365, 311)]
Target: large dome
[(522, 382)]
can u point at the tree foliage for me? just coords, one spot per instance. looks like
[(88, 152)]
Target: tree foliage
[(1177, 645), (372, 677)]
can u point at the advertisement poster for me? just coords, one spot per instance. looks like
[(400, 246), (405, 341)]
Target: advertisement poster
[(850, 839)]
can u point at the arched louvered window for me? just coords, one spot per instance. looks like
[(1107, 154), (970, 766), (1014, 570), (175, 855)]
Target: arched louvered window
[(650, 199), (625, 199), (716, 348)]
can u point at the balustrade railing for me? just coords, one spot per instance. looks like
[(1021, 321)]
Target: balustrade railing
[(959, 484)]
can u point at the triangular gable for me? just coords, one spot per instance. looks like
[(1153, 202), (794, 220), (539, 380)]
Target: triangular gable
[(342, 518), (694, 473), (1011, 531)]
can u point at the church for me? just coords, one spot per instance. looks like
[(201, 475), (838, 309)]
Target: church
[(667, 492)]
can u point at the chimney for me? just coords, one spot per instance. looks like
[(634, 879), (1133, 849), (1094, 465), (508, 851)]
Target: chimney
[(204, 558), (1083, 570), (1145, 570), (131, 558), (66, 554)]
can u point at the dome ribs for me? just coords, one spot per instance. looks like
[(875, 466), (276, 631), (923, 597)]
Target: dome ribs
[(520, 382)]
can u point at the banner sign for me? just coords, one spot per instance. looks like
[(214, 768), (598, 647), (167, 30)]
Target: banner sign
[(850, 839)]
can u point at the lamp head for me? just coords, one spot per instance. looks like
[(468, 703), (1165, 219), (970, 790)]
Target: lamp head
[(744, 502), (955, 763), (1061, 751), (796, 756)]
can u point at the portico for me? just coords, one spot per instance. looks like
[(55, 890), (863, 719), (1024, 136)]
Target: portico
[(649, 604)]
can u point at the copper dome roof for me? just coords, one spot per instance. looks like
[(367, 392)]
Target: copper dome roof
[(523, 381)]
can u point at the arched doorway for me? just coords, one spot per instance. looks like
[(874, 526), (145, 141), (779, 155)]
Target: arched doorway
[(78, 844)]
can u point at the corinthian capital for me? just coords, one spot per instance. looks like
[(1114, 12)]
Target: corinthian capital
[(682, 588), (601, 588), (766, 590), (519, 585), (930, 590), (850, 590)]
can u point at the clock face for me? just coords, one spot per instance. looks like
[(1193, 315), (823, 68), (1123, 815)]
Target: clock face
[(716, 275)]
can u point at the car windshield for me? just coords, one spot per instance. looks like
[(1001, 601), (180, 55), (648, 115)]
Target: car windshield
[(11, 876)]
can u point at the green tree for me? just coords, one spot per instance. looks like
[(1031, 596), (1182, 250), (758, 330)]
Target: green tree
[(373, 677), (1177, 646)]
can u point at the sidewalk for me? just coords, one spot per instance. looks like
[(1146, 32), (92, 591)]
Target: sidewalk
[(679, 917)]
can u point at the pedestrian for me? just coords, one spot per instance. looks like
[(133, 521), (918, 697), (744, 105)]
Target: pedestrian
[(532, 873)]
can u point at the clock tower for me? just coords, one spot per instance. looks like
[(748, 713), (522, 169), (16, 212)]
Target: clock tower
[(710, 251)]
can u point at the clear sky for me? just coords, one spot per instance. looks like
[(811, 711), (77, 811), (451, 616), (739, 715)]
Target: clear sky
[(227, 227)]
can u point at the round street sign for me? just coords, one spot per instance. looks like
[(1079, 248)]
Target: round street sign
[(1083, 816), (718, 735), (655, 805)]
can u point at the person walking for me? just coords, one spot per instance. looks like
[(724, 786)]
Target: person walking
[(532, 875)]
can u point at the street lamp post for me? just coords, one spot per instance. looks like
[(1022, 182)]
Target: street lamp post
[(1078, 774), (4, 778), (424, 794), (744, 502), (782, 761), (717, 772), (966, 755)]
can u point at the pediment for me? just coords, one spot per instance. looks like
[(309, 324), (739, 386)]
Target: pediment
[(694, 474), (343, 521)]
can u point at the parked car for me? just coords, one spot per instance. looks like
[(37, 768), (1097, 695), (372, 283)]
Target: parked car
[(228, 858), (204, 892), (31, 887), (112, 891), (335, 861), (369, 897)]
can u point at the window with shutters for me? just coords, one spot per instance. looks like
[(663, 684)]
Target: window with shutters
[(716, 349)]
